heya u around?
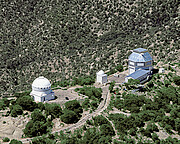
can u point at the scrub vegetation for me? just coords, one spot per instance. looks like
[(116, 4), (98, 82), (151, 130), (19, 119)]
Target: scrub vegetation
[(85, 80), (69, 39), (94, 97), (68, 42), (153, 108), (41, 114)]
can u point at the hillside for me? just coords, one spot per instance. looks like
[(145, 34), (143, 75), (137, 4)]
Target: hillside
[(65, 39)]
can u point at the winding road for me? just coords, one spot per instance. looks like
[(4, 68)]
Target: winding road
[(102, 106)]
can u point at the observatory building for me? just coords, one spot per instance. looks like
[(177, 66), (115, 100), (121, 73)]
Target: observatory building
[(101, 77), (140, 59), (41, 90), (140, 65)]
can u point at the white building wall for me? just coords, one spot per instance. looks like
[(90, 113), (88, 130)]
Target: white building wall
[(161, 70), (131, 70), (131, 63), (37, 98), (99, 79)]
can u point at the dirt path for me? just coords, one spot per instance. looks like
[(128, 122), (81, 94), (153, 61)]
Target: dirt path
[(102, 106)]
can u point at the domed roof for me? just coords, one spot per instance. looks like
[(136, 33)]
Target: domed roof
[(140, 50), (101, 72), (41, 82), (140, 55)]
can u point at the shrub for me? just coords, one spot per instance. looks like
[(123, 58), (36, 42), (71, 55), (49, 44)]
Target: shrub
[(27, 103), (16, 110), (86, 104), (53, 109), (176, 80), (69, 117), (14, 141), (6, 139), (75, 106), (132, 132), (37, 116), (107, 129), (119, 68), (91, 92), (42, 140), (99, 120), (2, 105), (35, 128)]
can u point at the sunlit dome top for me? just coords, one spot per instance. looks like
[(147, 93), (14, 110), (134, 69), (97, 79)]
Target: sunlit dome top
[(101, 72), (140, 50), (140, 55), (41, 82)]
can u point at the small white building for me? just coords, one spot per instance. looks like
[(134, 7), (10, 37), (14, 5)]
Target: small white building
[(161, 70), (101, 77), (41, 90)]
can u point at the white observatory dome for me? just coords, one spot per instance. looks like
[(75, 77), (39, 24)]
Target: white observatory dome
[(41, 82), (101, 72), (41, 90)]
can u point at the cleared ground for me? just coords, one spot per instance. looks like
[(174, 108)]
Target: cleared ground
[(120, 78), (62, 96), (12, 127)]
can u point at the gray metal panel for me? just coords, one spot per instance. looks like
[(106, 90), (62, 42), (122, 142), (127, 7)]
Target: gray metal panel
[(137, 57), (138, 73)]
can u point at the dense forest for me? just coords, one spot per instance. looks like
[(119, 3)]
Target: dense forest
[(62, 39)]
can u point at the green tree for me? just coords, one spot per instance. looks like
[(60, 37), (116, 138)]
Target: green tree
[(112, 84), (75, 106), (132, 131), (107, 129), (150, 84), (99, 120), (119, 68), (42, 140), (14, 141), (41, 106), (27, 103), (2, 105), (37, 115), (105, 139), (176, 80), (70, 140), (69, 117), (86, 104), (94, 104), (6, 101), (132, 83), (6, 139), (91, 92), (16, 110), (155, 137), (35, 128), (53, 109)]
